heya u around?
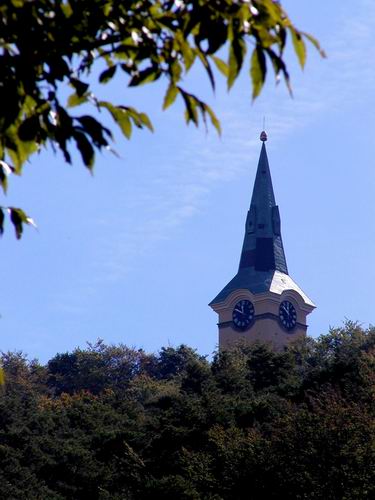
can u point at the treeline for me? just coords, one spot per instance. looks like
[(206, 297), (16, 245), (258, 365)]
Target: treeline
[(111, 422)]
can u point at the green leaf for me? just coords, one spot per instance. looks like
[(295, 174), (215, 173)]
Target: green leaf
[(191, 111), (18, 3), (2, 217), (258, 70), (121, 117), (187, 52), (80, 87), (76, 100), (147, 75), (85, 148), (134, 115), (5, 170), (279, 66), (221, 65), (206, 64), (106, 75), (17, 217), (29, 128), (191, 102), (3, 181), (123, 120), (19, 151), (95, 129), (214, 120), (299, 46), (274, 10), (175, 70), (237, 53), (139, 119), (146, 121), (67, 9), (315, 42), (170, 96)]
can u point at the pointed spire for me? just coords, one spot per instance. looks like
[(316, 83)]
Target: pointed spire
[(262, 247), (263, 265)]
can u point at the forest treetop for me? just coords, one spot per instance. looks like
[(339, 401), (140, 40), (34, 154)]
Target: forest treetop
[(111, 422)]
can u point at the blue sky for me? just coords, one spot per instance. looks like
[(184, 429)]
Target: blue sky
[(135, 253)]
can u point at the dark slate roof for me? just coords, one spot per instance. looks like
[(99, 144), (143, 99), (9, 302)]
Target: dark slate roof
[(260, 282), (262, 251)]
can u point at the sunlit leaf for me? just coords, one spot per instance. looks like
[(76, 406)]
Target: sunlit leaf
[(187, 52), (191, 113), (221, 65), (175, 70), (315, 42), (299, 46), (170, 96), (146, 121), (146, 76), (19, 151), (67, 9), (121, 117), (214, 120), (76, 100)]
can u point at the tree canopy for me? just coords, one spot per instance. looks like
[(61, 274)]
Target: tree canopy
[(47, 46), (114, 422)]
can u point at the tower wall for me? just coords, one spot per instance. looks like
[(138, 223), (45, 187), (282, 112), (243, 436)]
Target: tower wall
[(266, 326), (265, 331)]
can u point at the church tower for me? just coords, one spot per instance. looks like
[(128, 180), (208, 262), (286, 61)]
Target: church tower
[(262, 302)]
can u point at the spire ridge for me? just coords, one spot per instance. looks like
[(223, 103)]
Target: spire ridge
[(263, 247)]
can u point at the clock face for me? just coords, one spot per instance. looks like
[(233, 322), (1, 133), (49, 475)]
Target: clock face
[(243, 314), (288, 315)]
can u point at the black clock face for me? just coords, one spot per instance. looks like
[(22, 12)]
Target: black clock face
[(288, 315), (243, 314)]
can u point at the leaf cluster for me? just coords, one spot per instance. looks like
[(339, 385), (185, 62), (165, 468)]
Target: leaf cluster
[(49, 45)]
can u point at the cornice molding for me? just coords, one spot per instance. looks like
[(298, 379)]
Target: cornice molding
[(230, 324)]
